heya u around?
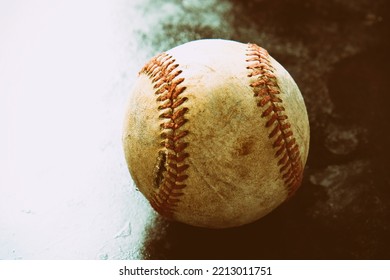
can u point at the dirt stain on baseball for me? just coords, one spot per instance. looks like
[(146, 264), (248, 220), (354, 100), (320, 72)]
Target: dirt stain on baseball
[(245, 147), (159, 169)]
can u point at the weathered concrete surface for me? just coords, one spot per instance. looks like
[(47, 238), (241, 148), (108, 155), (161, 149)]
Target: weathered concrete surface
[(337, 51)]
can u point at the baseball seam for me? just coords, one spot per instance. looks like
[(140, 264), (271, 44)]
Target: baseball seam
[(171, 161), (268, 93)]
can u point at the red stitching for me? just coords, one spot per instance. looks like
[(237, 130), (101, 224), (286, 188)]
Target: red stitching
[(165, 78), (265, 88)]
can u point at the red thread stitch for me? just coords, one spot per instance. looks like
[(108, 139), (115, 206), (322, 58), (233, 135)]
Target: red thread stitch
[(165, 78), (267, 91)]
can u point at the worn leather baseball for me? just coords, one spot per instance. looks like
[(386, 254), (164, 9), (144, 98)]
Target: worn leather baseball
[(216, 133)]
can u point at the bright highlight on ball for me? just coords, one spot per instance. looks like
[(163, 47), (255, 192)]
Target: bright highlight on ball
[(216, 133)]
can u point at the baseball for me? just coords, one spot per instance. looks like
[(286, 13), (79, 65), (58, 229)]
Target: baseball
[(216, 133)]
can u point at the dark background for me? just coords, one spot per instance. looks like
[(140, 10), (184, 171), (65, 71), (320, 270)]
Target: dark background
[(338, 53)]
